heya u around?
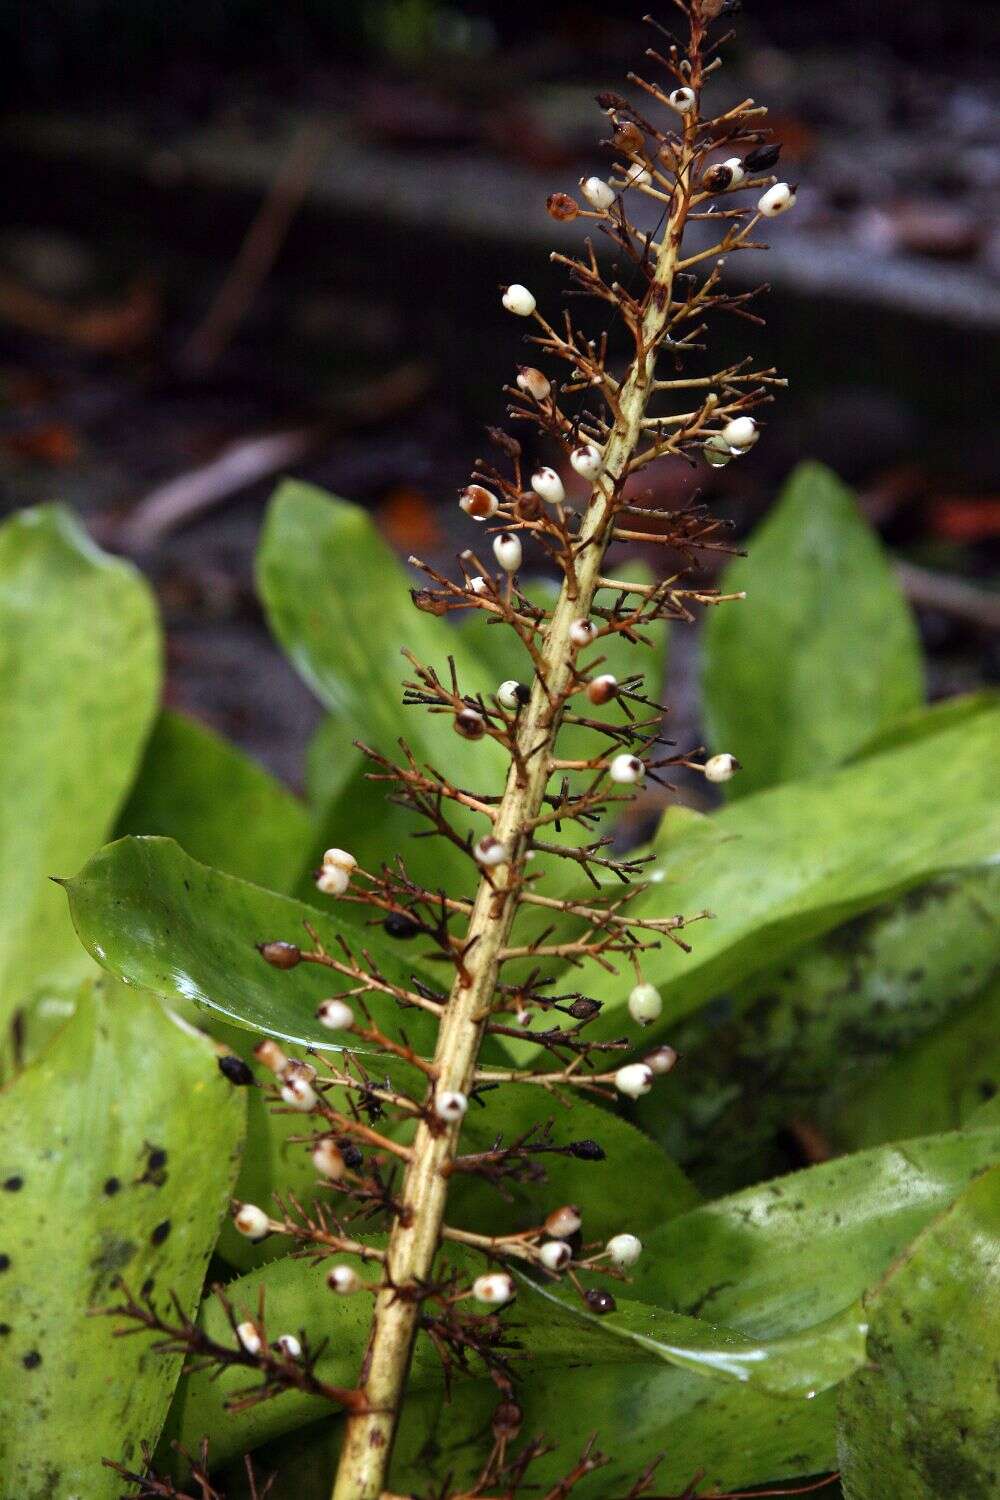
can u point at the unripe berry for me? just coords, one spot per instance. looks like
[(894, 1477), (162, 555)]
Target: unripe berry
[(512, 694), (478, 502), (717, 451), (741, 432), (251, 1221), (555, 1255), (564, 1221), (602, 689), (624, 1250), (717, 178), (645, 1004), (289, 1345), (249, 1337), (735, 166), (335, 1014), (328, 1159), (548, 486), (626, 769), (478, 585), (494, 1289), (721, 768), (628, 137), (469, 724), (517, 299), (598, 193), (534, 383), (343, 1280), (661, 1060), (582, 632), (450, 1104), (634, 1080), (489, 851), (507, 551), (587, 460), (683, 100), (299, 1093), (777, 200)]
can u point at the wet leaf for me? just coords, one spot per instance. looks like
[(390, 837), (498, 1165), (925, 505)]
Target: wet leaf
[(220, 806), (157, 919), (80, 665), (124, 1139), (824, 651), (921, 1421)]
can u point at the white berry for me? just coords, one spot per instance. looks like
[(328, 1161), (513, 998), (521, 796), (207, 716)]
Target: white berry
[(251, 1221), (334, 1014), (508, 552), (682, 100), (598, 193), (509, 694), (661, 1060), (741, 432), (721, 768), (582, 632), (587, 460), (634, 1080), (645, 1004), (478, 585), (563, 1221), (626, 769), (546, 483), (249, 1337), (289, 1345), (333, 880), (534, 383), (450, 1104), (328, 1159), (555, 1255), (638, 176), (489, 851), (777, 200), (299, 1094), (737, 169), (343, 1280), (602, 689), (494, 1289), (624, 1250), (717, 451), (517, 299)]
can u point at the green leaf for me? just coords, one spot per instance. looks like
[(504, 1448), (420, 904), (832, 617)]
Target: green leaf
[(804, 1035), (125, 1139), (823, 653), (795, 1251), (788, 864), (938, 1084), (220, 806), (635, 1185), (157, 919), (80, 665), (921, 1421), (338, 602)]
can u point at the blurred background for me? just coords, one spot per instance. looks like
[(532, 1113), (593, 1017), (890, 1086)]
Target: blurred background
[(242, 240)]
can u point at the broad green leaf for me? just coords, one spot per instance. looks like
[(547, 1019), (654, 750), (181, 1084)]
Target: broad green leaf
[(823, 652), (937, 1084), (33, 1024), (338, 602), (157, 919), (635, 1187), (921, 1421), (795, 1251), (124, 1139), (80, 666), (220, 806), (921, 723), (806, 1034), (788, 864)]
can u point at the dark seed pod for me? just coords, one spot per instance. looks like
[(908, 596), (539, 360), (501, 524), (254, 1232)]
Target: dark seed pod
[(562, 206), (398, 926), (236, 1070), (469, 724), (584, 1009), (280, 955), (587, 1151), (600, 1301), (351, 1153), (761, 158)]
